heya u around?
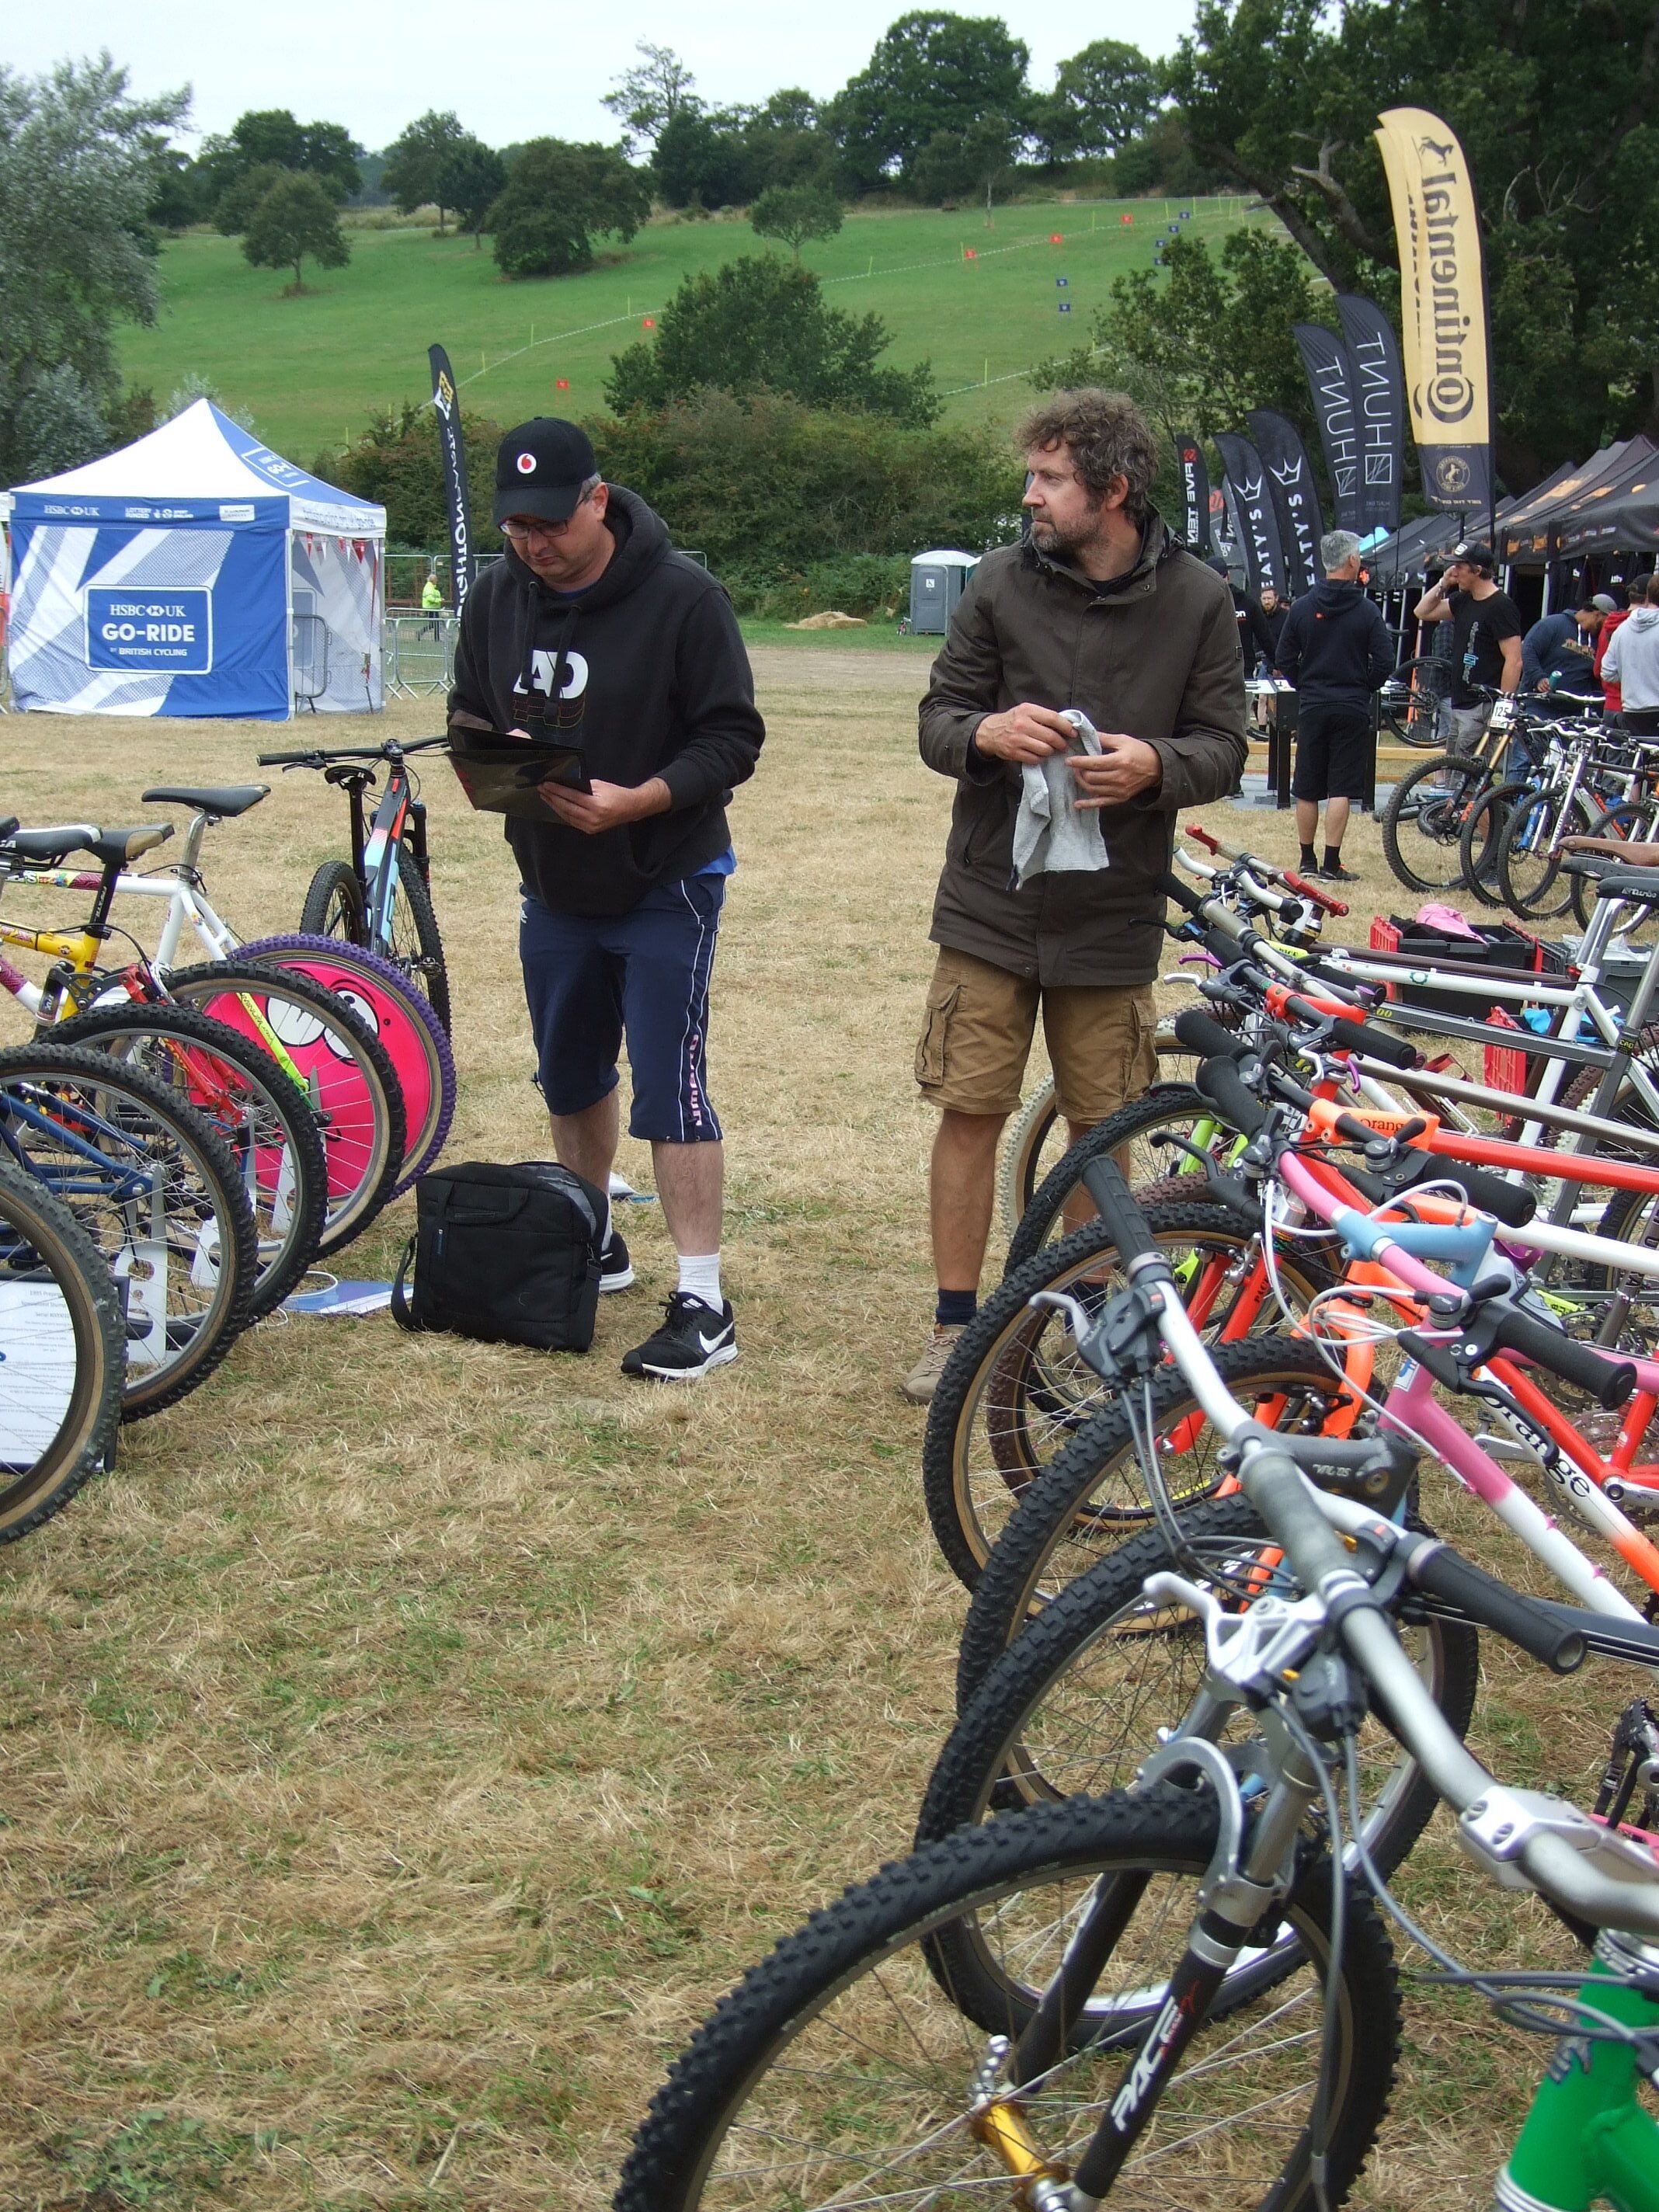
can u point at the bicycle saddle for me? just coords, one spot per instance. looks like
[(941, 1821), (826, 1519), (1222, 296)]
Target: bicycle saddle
[(43, 848), (1617, 883), (224, 801), (115, 848)]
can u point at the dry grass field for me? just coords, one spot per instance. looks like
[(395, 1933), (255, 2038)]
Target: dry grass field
[(405, 1745)]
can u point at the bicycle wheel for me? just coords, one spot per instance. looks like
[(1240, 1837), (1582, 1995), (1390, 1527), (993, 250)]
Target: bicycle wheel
[(1070, 1707), (1627, 819), (841, 2069), (1092, 1494), (1025, 1151), (412, 944), (1483, 829), (1410, 701), (348, 1076), (1015, 1389), (1422, 824), (1171, 1108), (401, 1022), (158, 1191), (334, 905), (260, 1111), (62, 1356), (1528, 870)]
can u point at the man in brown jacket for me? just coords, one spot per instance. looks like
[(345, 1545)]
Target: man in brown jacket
[(1100, 609)]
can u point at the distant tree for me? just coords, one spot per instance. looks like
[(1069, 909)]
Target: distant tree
[(415, 162), (273, 139), (1103, 97), (296, 217), (558, 199), (647, 98), (704, 158), (192, 387), (795, 213), (77, 174), (176, 195), (396, 464), (236, 203), (471, 180), (971, 164), (930, 72), (762, 325)]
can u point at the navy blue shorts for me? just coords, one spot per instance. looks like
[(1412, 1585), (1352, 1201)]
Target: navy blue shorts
[(591, 979)]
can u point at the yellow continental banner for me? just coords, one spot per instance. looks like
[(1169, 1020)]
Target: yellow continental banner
[(1443, 306)]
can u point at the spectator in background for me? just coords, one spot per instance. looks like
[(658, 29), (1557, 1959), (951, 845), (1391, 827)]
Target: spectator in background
[(1633, 663), (1255, 639), (1486, 634), (1273, 612), (1335, 649), (1558, 654), (431, 605), (1633, 594)]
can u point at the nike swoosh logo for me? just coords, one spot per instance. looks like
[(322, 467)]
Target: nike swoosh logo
[(712, 1343)]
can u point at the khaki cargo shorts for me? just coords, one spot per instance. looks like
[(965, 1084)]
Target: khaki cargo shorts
[(977, 1030)]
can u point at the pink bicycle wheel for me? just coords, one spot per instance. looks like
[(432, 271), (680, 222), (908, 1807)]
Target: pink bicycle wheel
[(398, 1016)]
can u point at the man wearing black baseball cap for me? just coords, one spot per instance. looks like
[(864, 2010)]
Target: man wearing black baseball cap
[(1486, 635), (594, 630)]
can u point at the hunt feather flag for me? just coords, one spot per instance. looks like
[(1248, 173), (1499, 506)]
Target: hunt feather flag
[(1443, 306), (1330, 386), (446, 406), (1379, 400)]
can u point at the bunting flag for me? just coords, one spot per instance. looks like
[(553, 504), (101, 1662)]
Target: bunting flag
[(1194, 492), (1379, 397), (446, 406), (1443, 307), (1331, 387), (1296, 501), (1252, 506)]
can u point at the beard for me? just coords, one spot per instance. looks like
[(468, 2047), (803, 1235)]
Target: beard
[(1051, 536)]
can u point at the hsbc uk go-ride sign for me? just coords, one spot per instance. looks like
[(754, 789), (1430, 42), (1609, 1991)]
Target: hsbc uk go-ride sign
[(166, 632)]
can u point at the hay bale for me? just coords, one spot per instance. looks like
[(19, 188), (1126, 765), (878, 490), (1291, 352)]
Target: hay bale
[(832, 620)]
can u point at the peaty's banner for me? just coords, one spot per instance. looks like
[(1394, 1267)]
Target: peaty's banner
[(446, 406), (1379, 398), (1296, 501), (1330, 386), (1252, 506), (1443, 307), (1194, 492)]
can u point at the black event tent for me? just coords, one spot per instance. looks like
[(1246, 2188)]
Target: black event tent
[(1625, 520), (1532, 534)]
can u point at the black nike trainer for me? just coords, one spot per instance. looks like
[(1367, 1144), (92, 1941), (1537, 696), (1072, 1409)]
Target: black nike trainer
[(693, 1339)]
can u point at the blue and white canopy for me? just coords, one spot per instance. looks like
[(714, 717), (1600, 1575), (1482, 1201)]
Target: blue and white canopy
[(193, 573)]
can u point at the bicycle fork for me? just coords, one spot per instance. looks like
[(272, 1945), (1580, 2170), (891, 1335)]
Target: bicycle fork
[(1242, 1886)]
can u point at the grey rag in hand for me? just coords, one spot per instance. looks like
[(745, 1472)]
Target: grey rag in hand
[(1050, 836)]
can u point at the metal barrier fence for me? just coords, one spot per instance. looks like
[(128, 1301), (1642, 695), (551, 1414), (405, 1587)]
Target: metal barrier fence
[(417, 655)]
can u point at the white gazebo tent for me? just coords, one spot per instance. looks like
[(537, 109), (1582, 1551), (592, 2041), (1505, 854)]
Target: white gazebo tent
[(194, 572)]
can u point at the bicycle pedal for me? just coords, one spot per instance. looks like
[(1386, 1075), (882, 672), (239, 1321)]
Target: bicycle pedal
[(1634, 1500)]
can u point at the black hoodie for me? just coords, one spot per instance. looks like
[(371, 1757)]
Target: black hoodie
[(653, 680), (1335, 646)]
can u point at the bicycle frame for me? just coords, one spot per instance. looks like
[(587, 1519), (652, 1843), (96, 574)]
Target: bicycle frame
[(1586, 2138)]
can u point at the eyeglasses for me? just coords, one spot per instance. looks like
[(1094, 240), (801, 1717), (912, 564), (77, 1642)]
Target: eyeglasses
[(520, 533)]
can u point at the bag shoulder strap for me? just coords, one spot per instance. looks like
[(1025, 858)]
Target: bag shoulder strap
[(400, 1309)]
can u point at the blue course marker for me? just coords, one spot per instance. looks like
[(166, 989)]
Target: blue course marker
[(1064, 306)]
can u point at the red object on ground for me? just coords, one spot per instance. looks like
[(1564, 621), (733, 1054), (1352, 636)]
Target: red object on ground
[(1126, 218), (1506, 1069), (1055, 239), (649, 324), (1385, 938), (562, 384)]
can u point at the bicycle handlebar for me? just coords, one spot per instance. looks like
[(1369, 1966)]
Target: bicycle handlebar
[(319, 756)]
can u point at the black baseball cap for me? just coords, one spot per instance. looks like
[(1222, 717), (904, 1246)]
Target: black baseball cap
[(1476, 554), (540, 469)]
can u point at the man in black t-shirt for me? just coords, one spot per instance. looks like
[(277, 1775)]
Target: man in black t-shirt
[(1486, 633)]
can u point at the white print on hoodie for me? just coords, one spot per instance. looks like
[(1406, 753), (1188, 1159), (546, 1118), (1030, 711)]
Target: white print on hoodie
[(1632, 660)]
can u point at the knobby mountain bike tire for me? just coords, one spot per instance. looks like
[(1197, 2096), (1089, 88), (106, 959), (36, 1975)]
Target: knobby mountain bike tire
[(1422, 824), (62, 1356), (1070, 1707), (1167, 1108), (349, 1078), (1038, 1140), (1092, 1495), (158, 1192), (263, 1116), (1015, 1389), (840, 2070), (402, 1023), (1482, 835), (1528, 870), (334, 905), (1633, 820)]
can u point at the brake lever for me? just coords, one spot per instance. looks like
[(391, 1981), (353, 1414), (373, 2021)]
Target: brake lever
[(1222, 1187), (1116, 1346)]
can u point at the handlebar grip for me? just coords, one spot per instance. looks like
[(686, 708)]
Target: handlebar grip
[(282, 760), (1372, 1038), (1201, 1033), (1445, 1573), (1608, 1381), (1222, 1085), (1514, 1203), (1307, 890), (1125, 1222), (1209, 844), (1172, 887)]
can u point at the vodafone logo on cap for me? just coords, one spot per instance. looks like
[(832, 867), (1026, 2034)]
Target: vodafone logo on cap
[(526, 465)]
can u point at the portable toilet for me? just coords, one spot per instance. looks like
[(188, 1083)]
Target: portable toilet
[(937, 580)]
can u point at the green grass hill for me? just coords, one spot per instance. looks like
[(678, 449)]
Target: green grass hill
[(311, 368)]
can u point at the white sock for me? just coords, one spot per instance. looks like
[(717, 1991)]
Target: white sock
[(700, 1278)]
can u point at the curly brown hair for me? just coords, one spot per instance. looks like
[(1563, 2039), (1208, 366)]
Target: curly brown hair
[(1107, 437)]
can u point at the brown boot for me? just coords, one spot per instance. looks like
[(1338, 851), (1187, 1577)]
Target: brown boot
[(919, 1385)]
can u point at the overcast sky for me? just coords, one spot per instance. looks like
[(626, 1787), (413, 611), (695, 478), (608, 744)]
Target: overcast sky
[(510, 71)]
